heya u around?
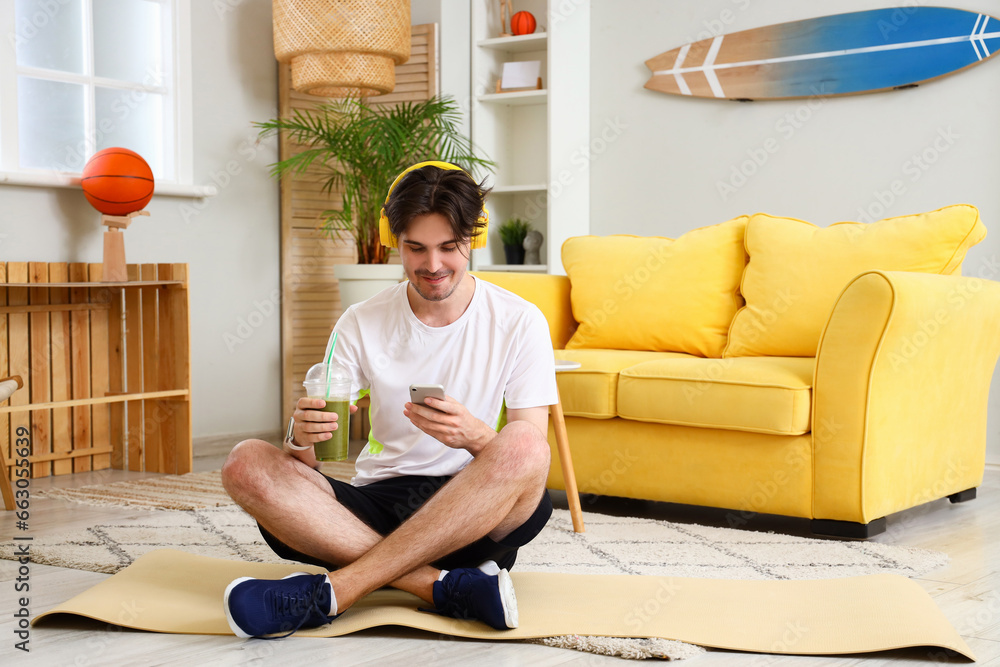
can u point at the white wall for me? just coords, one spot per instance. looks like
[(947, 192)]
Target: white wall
[(230, 240), (454, 63), (658, 170)]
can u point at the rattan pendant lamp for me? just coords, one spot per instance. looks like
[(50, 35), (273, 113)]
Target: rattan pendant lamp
[(342, 48)]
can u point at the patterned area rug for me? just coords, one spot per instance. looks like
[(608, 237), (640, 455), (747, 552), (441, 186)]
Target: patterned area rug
[(611, 545), (193, 491)]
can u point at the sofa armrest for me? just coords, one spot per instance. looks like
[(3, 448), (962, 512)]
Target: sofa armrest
[(902, 380), (550, 293)]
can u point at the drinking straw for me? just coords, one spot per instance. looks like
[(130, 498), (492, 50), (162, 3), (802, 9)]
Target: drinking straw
[(329, 366)]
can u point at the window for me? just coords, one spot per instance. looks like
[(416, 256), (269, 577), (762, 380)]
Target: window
[(90, 74)]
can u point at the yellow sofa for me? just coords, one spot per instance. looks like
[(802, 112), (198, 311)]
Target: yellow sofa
[(766, 365)]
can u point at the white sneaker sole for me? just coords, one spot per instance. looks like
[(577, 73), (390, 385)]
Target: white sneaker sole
[(236, 582), (507, 599)]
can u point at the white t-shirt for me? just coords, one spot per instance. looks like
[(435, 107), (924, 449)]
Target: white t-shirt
[(498, 352)]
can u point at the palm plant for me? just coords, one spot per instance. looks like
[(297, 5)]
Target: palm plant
[(362, 148)]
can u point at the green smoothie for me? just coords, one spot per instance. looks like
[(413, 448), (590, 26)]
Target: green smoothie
[(335, 449)]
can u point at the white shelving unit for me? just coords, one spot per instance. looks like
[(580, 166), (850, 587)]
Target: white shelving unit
[(538, 138)]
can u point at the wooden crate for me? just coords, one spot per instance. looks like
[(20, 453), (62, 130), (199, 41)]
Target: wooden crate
[(106, 366)]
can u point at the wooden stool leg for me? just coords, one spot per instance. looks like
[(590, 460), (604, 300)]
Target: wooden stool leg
[(10, 385), (566, 459), (5, 488)]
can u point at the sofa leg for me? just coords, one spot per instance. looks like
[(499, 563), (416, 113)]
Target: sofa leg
[(848, 529), (963, 496)]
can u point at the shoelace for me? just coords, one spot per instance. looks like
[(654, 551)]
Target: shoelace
[(289, 605)]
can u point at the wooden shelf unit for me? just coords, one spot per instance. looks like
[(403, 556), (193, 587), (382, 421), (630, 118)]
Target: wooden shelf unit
[(106, 367)]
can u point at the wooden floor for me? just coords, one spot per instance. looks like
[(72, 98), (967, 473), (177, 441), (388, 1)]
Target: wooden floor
[(967, 590)]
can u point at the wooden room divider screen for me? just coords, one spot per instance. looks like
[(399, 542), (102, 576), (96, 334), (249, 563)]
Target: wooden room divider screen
[(310, 297)]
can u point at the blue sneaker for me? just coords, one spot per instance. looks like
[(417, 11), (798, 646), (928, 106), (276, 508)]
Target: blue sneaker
[(472, 594), (258, 607)]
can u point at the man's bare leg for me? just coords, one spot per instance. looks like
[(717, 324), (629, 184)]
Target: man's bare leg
[(297, 505), (497, 492)]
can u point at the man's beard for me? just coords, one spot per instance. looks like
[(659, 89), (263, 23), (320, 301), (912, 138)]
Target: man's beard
[(433, 297)]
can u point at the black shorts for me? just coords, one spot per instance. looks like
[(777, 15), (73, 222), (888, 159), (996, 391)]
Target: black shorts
[(385, 504)]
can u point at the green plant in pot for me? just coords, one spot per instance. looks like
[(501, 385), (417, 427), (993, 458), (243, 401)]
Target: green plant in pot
[(512, 235), (361, 148)]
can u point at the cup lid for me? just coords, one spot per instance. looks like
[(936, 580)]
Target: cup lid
[(322, 372)]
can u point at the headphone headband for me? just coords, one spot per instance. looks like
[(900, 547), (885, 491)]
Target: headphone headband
[(389, 239)]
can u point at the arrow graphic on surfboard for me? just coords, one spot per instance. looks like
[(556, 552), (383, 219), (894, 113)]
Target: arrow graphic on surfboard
[(845, 54)]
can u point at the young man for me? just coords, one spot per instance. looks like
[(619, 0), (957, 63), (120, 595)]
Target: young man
[(445, 493)]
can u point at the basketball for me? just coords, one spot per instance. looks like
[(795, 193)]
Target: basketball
[(117, 181), (522, 23)]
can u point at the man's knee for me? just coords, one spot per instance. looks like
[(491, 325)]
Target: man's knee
[(530, 445), (245, 466)]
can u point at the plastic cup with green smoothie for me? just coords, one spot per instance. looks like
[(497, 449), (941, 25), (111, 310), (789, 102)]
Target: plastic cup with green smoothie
[(331, 383)]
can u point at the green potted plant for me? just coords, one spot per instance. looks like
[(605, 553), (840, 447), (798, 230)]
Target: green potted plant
[(512, 235), (362, 148)]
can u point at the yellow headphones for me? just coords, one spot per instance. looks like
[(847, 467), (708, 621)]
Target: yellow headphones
[(389, 240)]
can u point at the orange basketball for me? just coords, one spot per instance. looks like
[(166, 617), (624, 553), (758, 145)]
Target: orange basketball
[(117, 181), (522, 23)]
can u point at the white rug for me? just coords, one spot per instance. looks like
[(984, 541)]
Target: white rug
[(610, 545)]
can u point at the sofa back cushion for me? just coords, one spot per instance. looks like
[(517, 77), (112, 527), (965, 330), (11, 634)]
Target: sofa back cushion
[(797, 270), (656, 293)]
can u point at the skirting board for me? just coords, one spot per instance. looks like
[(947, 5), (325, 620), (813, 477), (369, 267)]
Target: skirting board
[(175, 592)]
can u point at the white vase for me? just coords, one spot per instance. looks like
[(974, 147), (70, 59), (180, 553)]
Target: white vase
[(363, 281)]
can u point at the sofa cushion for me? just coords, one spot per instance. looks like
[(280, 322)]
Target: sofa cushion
[(655, 293), (592, 390), (759, 394), (797, 270)]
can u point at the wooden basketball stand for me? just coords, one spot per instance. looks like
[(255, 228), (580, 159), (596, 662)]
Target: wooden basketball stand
[(505, 15), (5, 488), (114, 246)]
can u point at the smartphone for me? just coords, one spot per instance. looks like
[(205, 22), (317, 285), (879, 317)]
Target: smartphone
[(418, 392)]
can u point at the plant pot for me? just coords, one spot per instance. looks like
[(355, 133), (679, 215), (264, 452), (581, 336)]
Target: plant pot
[(363, 281), (514, 254)]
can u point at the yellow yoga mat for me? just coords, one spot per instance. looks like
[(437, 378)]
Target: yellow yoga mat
[(173, 591)]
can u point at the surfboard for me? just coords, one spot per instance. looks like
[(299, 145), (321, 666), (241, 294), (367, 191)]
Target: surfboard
[(844, 54)]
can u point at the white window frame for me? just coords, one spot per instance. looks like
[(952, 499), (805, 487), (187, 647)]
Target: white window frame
[(178, 76)]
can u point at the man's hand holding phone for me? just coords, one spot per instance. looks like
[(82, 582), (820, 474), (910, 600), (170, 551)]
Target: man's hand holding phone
[(445, 419)]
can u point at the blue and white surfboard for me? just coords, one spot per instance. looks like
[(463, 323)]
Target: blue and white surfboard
[(846, 54)]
